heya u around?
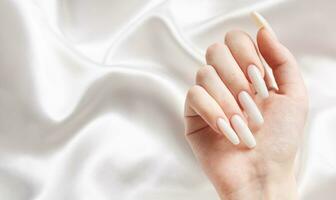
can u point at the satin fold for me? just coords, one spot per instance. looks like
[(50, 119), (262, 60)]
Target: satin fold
[(92, 94)]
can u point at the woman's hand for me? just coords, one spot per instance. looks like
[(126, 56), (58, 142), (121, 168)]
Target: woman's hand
[(219, 107)]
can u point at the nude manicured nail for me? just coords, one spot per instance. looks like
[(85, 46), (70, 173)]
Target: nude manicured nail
[(257, 81), (243, 131), (250, 108), (269, 76), (226, 129), (261, 22)]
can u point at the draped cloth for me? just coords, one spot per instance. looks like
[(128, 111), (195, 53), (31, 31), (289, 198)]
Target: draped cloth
[(92, 94)]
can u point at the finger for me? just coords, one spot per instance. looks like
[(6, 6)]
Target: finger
[(245, 53), (219, 56), (282, 62), (261, 22), (207, 108), (208, 78), (279, 58)]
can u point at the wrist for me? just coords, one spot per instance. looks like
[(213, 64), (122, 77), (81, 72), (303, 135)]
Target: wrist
[(272, 186), (281, 186)]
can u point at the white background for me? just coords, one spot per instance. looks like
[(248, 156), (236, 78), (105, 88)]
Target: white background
[(92, 94)]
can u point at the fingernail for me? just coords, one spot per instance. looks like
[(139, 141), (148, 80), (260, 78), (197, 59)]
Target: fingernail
[(260, 21), (257, 81), (269, 76), (226, 129), (250, 108), (243, 131)]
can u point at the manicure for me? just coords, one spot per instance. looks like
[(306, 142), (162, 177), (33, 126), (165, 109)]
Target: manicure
[(226, 129), (257, 81), (270, 78), (250, 108), (262, 22), (243, 131)]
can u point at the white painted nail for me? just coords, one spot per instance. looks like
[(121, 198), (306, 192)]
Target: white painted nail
[(250, 108), (260, 21), (226, 129), (269, 76), (243, 131), (257, 81)]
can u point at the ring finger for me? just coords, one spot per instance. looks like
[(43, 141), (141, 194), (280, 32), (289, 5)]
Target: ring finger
[(208, 78), (219, 56)]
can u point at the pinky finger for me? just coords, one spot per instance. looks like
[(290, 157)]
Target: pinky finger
[(208, 109)]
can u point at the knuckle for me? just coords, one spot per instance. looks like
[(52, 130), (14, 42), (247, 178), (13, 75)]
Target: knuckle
[(212, 49), (203, 73), (193, 92), (236, 35), (237, 84)]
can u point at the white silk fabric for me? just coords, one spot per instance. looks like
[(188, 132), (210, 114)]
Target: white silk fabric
[(92, 94)]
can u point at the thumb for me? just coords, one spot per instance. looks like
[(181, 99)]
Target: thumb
[(282, 62)]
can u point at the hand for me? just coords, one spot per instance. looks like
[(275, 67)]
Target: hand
[(216, 110)]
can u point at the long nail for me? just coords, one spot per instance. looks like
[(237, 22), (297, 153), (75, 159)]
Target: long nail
[(243, 131), (260, 21), (257, 81), (269, 76), (250, 108), (226, 129)]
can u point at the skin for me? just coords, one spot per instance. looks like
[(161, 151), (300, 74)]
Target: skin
[(237, 172)]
